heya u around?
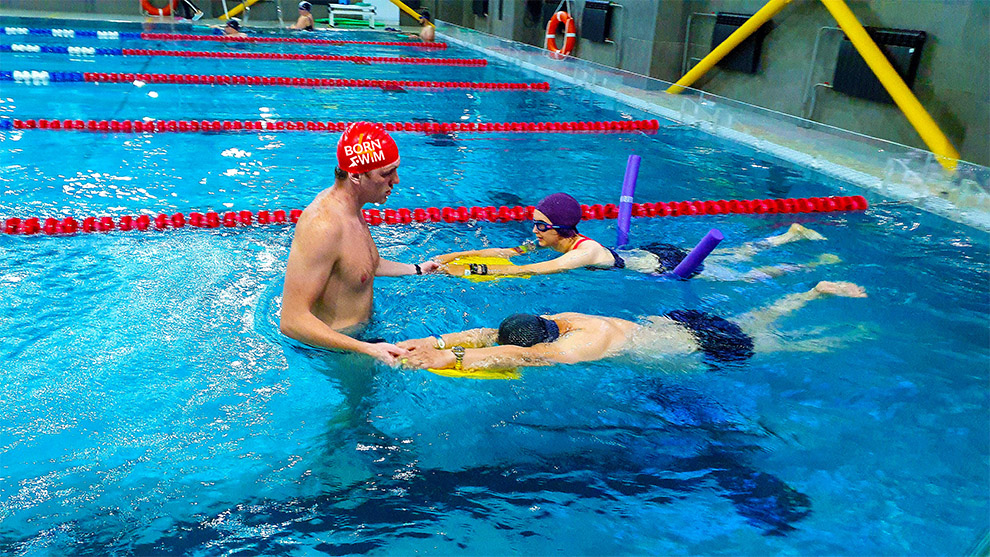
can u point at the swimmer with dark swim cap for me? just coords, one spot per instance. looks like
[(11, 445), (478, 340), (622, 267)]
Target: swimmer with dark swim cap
[(305, 21), (524, 329), (555, 222), (233, 28), (427, 32), (525, 340), (333, 261)]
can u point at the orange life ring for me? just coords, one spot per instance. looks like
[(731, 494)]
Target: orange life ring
[(152, 10), (570, 32)]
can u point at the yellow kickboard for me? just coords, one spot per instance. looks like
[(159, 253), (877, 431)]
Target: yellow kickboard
[(479, 259), (511, 373), (478, 373)]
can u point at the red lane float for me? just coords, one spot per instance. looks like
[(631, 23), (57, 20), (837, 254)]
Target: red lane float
[(191, 126), (255, 40), (231, 219), (474, 62), (219, 79)]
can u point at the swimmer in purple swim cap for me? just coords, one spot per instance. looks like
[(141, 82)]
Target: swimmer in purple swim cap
[(555, 222)]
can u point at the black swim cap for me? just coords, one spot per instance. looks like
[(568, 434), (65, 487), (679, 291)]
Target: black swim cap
[(525, 329), (234, 23)]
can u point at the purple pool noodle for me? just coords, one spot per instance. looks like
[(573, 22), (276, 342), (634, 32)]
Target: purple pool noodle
[(698, 254), (626, 199)]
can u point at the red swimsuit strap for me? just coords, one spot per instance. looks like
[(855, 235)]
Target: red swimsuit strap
[(578, 243)]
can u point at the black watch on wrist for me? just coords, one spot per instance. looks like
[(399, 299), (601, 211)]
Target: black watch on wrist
[(458, 357)]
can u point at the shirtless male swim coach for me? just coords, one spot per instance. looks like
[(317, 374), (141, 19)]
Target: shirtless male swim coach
[(333, 261)]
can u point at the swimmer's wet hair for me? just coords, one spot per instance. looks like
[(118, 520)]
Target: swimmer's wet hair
[(525, 329)]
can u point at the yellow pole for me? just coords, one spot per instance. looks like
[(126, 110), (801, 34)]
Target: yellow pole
[(237, 9), (752, 24), (923, 123), (410, 11)]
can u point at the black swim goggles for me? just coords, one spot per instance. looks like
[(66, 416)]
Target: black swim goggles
[(544, 226)]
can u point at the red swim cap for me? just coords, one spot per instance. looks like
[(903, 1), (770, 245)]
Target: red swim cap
[(365, 146)]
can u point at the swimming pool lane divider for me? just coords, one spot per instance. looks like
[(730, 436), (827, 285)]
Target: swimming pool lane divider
[(374, 217), (90, 51), (269, 40), (35, 77), (193, 126), (128, 36)]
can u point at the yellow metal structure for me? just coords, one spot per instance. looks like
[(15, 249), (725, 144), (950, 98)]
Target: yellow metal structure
[(752, 24), (238, 9), (895, 86), (916, 114), (399, 4)]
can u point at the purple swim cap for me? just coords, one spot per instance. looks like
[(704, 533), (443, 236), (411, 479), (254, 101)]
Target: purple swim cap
[(561, 209)]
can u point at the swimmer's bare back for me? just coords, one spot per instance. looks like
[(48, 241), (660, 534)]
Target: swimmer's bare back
[(591, 337)]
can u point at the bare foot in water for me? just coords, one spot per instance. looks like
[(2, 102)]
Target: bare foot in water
[(797, 232), (825, 259), (746, 251), (846, 289)]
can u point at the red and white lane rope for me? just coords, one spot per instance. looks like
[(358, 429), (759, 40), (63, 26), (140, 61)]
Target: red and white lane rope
[(319, 57), (35, 77), (125, 35), (293, 40), (227, 55), (232, 219), (193, 126)]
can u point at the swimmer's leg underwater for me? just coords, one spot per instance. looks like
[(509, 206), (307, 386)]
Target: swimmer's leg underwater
[(757, 323), (745, 252), (719, 272)]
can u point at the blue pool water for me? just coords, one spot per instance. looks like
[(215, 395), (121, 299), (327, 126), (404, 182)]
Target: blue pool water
[(152, 407)]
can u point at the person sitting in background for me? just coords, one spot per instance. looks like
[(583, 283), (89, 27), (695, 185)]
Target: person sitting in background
[(526, 340), (555, 223), (305, 21)]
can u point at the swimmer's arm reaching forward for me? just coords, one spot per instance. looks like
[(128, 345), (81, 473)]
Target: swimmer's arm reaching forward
[(579, 345), (488, 252), (493, 357), (472, 338), (574, 259)]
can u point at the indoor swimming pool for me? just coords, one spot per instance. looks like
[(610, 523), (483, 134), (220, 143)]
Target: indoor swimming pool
[(151, 405)]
